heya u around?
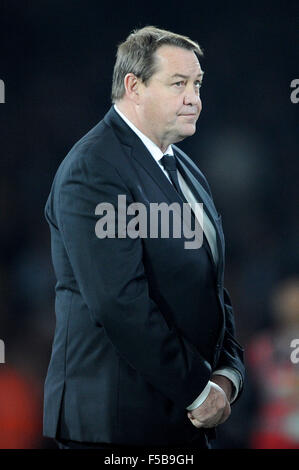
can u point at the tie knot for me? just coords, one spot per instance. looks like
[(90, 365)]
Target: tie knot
[(168, 162)]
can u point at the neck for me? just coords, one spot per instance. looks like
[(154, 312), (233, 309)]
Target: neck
[(131, 113)]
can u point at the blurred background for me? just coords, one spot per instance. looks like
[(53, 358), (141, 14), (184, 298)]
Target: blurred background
[(56, 60)]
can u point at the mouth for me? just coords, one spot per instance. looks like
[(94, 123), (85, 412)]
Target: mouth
[(188, 115)]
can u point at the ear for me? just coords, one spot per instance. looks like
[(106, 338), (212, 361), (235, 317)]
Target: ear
[(131, 83)]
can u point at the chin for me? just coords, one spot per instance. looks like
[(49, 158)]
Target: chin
[(184, 132), (189, 130)]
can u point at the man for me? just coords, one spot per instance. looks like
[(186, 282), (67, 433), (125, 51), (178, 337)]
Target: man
[(144, 352)]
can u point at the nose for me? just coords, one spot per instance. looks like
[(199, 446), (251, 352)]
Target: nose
[(192, 97)]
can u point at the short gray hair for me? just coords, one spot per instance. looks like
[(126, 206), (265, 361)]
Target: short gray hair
[(136, 55)]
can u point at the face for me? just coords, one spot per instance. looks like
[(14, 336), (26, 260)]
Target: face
[(169, 105)]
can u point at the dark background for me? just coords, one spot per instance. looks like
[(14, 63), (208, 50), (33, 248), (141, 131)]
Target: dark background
[(56, 59)]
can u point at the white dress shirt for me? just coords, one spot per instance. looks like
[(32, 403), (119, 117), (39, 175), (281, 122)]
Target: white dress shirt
[(210, 233)]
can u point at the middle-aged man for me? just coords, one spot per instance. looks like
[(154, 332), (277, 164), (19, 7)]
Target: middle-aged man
[(144, 352)]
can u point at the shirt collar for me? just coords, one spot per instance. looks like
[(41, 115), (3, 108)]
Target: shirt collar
[(150, 145)]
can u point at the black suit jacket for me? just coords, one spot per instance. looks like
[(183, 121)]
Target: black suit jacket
[(140, 323)]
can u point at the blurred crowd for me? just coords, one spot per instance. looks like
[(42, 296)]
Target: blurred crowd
[(57, 70)]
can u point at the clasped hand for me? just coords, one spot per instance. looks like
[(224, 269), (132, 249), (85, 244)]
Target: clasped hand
[(216, 408)]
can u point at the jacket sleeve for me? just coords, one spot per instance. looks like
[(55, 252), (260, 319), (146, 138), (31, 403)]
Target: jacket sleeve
[(111, 277), (232, 353)]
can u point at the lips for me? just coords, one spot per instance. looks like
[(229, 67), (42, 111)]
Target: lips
[(189, 113)]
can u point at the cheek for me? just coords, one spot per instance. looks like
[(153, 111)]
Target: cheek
[(153, 113), (163, 109), (160, 111), (152, 106), (173, 108)]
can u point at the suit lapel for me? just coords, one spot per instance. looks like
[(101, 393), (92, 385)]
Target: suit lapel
[(202, 196)]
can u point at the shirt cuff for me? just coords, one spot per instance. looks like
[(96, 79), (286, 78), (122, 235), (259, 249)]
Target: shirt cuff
[(234, 376), (201, 398)]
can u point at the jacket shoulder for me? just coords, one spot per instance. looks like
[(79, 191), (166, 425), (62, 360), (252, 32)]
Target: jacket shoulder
[(97, 148), (96, 154)]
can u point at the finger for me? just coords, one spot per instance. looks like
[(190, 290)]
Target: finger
[(196, 423), (212, 421)]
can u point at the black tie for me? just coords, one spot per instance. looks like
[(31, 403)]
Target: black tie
[(169, 164)]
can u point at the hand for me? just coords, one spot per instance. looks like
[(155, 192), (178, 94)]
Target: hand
[(224, 383), (213, 411)]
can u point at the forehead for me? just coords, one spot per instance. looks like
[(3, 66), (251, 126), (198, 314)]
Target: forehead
[(173, 60)]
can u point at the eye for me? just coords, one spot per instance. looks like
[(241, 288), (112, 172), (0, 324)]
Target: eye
[(179, 84), (198, 84)]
